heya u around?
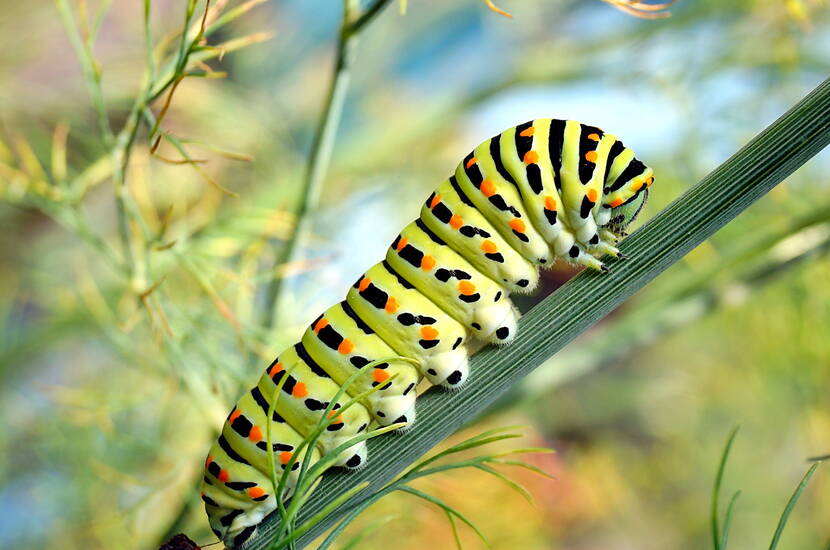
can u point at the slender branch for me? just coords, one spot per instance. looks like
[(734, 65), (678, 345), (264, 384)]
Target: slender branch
[(367, 16), (731, 188), (322, 146), (89, 67), (119, 147)]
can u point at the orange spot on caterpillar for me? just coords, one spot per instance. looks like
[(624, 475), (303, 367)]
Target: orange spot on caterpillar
[(527, 132), (591, 156), (338, 420), (255, 434), (321, 324), (488, 188), (593, 137), (592, 195), (345, 347), (470, 162), (380, 375), (550, 203), (223, 476), (300, 389), (391, 305), (489, 247), (285, 456), (616, 202), (256, 492), (531, 157), (275, 368), (402, 242), (466, 288), (435, 200), (637, 186), (456, 221), (649, 181), (517, 225), (208, 461), (234, 415), (427, 263), (429, 333), (364, 284)]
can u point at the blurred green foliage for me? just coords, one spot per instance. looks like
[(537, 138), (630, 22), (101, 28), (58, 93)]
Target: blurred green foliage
[(118, 368)]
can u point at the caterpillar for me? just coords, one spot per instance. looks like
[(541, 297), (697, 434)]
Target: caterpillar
[(539, 191)]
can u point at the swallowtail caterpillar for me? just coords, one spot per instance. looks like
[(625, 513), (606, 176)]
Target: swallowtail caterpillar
[(539, 191)]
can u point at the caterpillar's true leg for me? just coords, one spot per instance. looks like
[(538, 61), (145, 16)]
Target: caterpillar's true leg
[(608, 236), (605, 248)]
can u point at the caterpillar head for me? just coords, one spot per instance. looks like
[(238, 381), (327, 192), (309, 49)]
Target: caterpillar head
[(624, 215), (629, 196)]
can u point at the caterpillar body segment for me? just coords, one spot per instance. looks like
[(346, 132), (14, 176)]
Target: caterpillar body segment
[(305, 393), (411, 324), (537, 192), (341, 343), (462, 227), (446, 278), (500, 202), (236, 488), (534, 174)]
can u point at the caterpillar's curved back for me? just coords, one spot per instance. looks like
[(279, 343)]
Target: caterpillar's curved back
[(542, 190)]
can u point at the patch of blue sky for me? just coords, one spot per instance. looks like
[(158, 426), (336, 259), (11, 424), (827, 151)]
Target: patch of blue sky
[(23, 517), (644, 118)]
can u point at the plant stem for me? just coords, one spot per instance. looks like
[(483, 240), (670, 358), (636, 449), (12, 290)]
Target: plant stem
[(119, 146), (321, 147), (717, 537), (731, 188), (92, 74)]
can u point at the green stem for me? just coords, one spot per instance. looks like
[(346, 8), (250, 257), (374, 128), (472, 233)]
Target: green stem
[(717, 537), (321, 147), (785, 516), (89, 67), (119, 147), (731, 188)]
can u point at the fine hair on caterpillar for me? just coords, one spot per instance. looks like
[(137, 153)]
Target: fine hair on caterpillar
[(544, 190)]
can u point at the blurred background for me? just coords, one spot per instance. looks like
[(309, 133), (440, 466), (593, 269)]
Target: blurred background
[(118, 368)]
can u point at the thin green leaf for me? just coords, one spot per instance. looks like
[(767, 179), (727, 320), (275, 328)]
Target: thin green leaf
[(319, 516), (525, 465), (790, 505), (716, 536), (727, 522), (524, 451), (484, 438), (444, 506), (455, 534), (509, 482), (353, 513), (417, 473), (232, 14)]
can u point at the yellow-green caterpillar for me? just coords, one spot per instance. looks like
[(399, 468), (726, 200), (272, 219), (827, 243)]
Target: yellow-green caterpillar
[(539, 191)]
